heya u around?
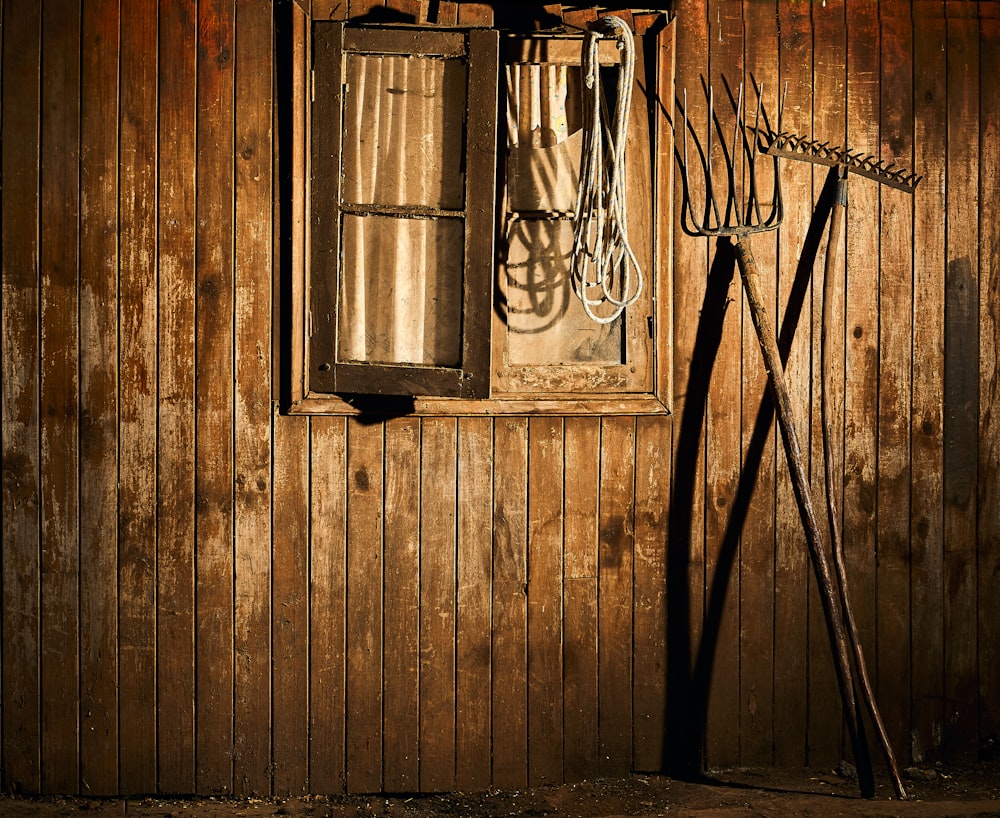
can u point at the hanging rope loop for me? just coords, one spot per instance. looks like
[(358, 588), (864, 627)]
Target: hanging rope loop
[(604, 270)]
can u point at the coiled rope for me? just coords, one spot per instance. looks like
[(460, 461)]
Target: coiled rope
[(603, 268)]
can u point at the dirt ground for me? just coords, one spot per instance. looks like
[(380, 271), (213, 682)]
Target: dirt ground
[(747, 793)]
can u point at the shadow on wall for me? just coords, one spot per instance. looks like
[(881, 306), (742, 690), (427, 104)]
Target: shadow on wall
[(688, 684)]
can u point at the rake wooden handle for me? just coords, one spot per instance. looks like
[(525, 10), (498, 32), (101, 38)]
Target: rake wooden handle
[(800, 482), (836, 542)]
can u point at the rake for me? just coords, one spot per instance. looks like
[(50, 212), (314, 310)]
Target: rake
[(738, 217), (842, 162)]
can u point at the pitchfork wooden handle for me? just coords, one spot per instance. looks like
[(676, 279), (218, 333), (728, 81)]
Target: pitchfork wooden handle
[(800, 481)]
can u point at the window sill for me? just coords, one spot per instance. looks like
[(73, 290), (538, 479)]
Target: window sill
[(563, 405)]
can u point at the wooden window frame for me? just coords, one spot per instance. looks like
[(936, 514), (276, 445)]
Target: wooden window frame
[(358, 389)]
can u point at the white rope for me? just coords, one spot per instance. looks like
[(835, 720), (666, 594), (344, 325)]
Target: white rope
[(603, 263)]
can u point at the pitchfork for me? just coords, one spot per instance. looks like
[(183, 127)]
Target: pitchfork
[(738, 218)]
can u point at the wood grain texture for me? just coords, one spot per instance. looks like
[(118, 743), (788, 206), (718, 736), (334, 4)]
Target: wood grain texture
[(289, 611), (365, 612), (649, 658), (252, 419), (988, 531), (793, 580), (545, 593), (510, 510), (926, 404), (718, 661), (60, 399), (761, 441), (861, 326), (175, 568), (99, 405), (961, 382), (473, 713), (581, 481), (696, 310), (438, 512), (214, 373), (401, 706), (615, 559), (895, 373), (328, 605), (20, 308), (203, 594), (138, 314)]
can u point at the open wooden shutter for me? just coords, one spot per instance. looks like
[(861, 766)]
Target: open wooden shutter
[(404, 140)]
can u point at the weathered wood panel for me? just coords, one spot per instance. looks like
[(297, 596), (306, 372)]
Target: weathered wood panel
[(252, 444), (961, 380), (21, 227), (99, 417), (214, 376), (59, 383), (175, 567), (926, 402), (201, 594), (895, 332), (138, 400)]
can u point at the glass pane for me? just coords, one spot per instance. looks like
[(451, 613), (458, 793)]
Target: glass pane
[(544, 136), (403, 131), (546, 323), (401, 290)]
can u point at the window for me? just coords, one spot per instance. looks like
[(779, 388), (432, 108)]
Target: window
[(438, 202)]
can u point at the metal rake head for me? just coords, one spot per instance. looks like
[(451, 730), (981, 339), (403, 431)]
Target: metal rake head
[(793, 146), (741, 212)]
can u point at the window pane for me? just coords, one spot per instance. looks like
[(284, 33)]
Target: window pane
[(401, 290), (404, 131), (546, 323), (544, 137)]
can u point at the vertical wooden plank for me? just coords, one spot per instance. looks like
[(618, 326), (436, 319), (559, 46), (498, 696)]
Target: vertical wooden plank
[(99, 402), (926, 447), (20, 427), (252, 421), (861, 323), (214, 375), (438, 470), (800, 655), (895, 334), (652, 501), (756, 498), (59, 383), (475, 14), (447, 13), (175, 462), (581, 480), (545, 572), (616, 517), (290, 607), (961, 382), (693, 354), (717, 667), (138, 402), (510, 725), (829, 122), (364, 606), (327, 604), (401, 706), (989, 382), (475, 584), (654, 443)]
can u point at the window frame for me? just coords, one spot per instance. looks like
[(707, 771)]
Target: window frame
[(357, 395), (332, 41)]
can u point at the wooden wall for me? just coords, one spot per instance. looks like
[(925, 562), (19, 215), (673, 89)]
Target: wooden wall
[(202, 595)]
